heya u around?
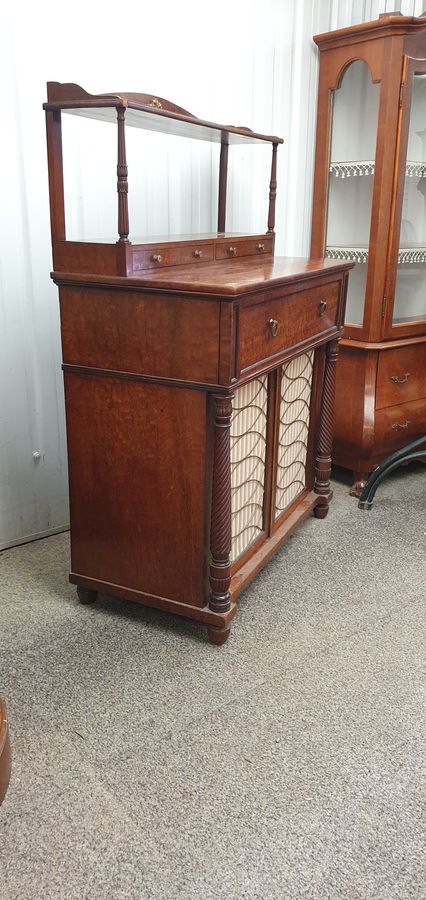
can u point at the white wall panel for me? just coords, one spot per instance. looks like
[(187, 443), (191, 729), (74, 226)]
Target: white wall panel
[(249, 62)]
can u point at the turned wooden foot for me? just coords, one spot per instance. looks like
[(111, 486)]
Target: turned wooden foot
[(321, 511), (86, 596), (360, 480), (218, 636)]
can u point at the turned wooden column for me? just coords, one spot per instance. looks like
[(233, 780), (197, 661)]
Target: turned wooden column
[(122, 185), (223, 181), (220, 533), (325, 439), (272, 189)]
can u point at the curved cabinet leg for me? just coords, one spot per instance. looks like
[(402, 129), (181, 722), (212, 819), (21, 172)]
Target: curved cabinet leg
[(323, 455), (86, 596), (360, 480), (218, 636)]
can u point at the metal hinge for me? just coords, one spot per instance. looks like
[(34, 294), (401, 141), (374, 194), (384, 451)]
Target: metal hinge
[(401, 93), (384, 301)]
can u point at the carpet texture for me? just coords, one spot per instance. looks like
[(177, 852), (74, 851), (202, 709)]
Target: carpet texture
[(285, 764)]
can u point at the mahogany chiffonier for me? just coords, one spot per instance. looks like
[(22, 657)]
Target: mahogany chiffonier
[(370, 207), (199, 384)]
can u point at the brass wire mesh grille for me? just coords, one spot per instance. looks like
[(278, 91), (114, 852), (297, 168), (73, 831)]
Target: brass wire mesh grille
[(296, 385), (248, 453)]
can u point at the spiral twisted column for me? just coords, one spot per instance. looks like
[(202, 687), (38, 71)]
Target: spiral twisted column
[(220, 532), (325, 438)]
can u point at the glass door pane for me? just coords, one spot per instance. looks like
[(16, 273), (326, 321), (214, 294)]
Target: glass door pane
[(410, 291), (352, 159)]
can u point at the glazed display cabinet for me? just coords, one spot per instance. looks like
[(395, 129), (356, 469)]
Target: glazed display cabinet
[(370, 207), (199, 385)]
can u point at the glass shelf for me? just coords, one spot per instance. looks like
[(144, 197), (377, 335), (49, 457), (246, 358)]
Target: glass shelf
[(406, 255), (359, 168)]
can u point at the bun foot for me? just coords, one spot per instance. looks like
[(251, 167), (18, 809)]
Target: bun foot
[(218, 636), (360, 480), (321, 511), (86, 596)]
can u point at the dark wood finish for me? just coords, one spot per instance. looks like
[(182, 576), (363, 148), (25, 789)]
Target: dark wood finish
[(325, 440), (223, 180), (272, 189), (393, 48), (220, 533), (5, 754), (156, 338)]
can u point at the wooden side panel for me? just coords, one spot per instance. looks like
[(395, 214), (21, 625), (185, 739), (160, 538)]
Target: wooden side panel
[(137, 456), (83, 257), (140, 334), (355, 405)]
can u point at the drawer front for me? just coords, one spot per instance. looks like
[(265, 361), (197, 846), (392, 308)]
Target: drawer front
[(268, 328), (401, 375), (233, 249), (398, 425), (157, 257)]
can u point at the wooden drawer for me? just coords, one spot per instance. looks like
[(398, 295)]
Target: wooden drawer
[(268, 328), (401, 375), (398, 425), (233, 249), (157, 257)]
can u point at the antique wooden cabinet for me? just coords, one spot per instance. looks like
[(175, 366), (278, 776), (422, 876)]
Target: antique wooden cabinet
[(199, 383), (370, 207)]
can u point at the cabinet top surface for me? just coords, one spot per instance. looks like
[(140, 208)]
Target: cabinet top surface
[(229, 279), (387, 25), (149, 112)]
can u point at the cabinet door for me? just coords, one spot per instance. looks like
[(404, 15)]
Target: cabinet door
[(406, 283), (249, 438), (355, 108), (293, 431)]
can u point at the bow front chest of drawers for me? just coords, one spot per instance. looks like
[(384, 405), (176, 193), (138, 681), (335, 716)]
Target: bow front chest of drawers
[(199, 384)]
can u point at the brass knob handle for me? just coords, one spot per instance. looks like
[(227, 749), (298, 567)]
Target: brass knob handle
[(322, 306), (232, 251), (198, 254), (273, 327), (401, 424), (261, 247), (397, 380), (156, 257)]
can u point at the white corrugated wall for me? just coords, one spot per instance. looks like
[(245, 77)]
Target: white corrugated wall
[(249, 62)]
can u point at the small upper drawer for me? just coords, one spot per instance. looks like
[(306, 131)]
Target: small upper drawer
[(157, 257), (401, 375), (233, 249), (268, 328)]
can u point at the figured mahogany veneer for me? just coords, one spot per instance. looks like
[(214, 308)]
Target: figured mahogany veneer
[(179, 356)]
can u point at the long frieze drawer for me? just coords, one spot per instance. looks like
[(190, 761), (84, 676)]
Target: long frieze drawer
[(268, 328), (234, 249), (401, 375), (398, 425), (157, 257), (140, 333)]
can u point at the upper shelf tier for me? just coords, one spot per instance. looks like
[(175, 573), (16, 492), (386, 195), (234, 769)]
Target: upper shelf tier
[(148, 112), (366, 167)]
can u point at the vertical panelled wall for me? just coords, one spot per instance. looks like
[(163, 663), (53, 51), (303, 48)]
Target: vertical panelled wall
[(249, 62)]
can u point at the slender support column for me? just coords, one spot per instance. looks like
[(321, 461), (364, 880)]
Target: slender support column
[(272, 189), (325, 440), (56, 178), (220, 534), (223, 176), (122, 185)]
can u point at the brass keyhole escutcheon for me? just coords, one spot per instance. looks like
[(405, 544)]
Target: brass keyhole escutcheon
[(156, 257), (273, 327), (232, 251), (397, 380), (322, 306), (401, 424)]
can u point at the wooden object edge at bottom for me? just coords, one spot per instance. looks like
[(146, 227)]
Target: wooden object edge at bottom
[(5, 754)]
